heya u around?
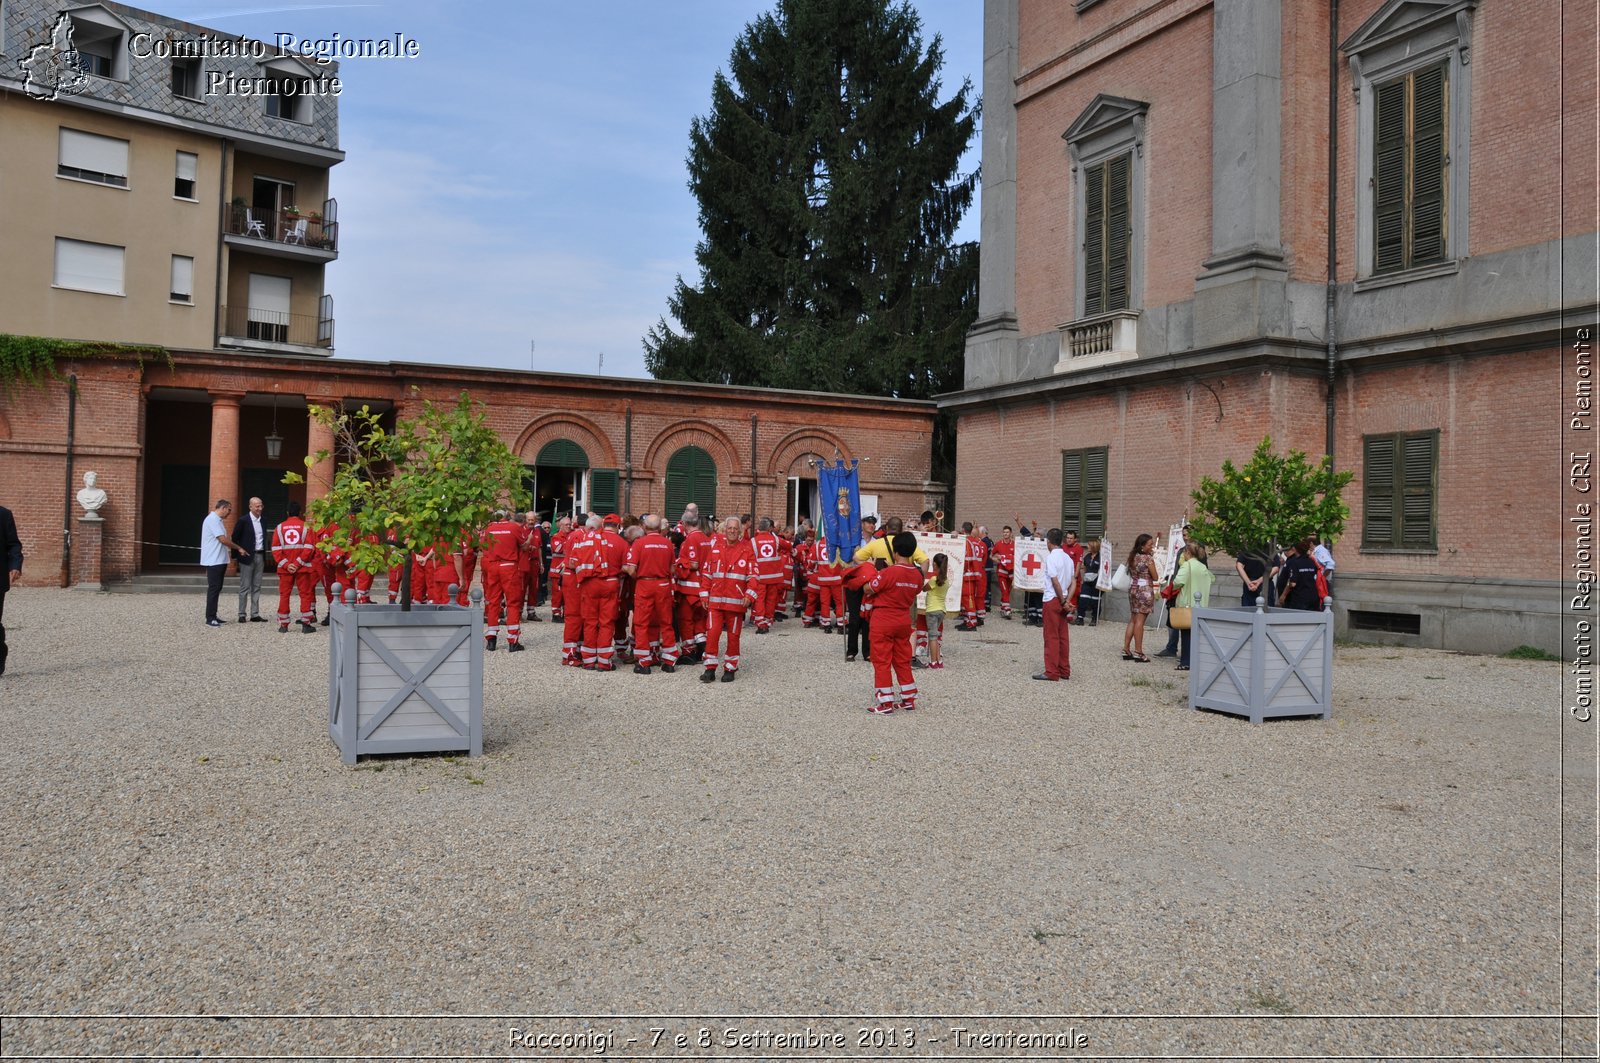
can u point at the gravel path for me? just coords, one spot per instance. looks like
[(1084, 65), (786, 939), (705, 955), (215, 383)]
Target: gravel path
[(181, 838)]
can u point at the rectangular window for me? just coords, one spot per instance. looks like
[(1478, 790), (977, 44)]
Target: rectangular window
[(186, 78), (604, 494), (268, 312), (1409, 176), (1083, 491), (290, 98), (182, 279), (1108, 194), (187, 171), (90, 157), (88, 267), (1400, 491)]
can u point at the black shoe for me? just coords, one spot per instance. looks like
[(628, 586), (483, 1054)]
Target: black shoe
[(640, 669), (308, 629), (489, 644), (535, 618), (241, 618), (668, 668), (556, 617), (258, 620), (326, 619), (515, 647), (763, 630), (727, 676), (916, 662), (1044, 677), (708, 676), (283, 629), (1166, 653), (215, 623), (849, 656)]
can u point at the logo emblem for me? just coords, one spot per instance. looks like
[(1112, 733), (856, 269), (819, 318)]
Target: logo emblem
[(54, 70)]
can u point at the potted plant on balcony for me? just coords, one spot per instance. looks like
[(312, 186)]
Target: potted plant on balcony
[(1265, 662), (406, 678)]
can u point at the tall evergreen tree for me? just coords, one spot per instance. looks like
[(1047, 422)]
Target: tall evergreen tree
[(828, 183)]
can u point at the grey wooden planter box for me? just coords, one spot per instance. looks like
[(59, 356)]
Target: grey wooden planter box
[(405, 682), (1262, 663)]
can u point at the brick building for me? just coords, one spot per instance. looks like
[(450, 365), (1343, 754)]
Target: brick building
[(1156, 293)]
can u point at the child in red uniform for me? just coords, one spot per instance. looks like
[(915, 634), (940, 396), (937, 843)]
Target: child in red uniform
[(893, 593)]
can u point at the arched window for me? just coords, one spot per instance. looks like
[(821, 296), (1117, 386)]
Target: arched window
[(557, 480), (691, 477)]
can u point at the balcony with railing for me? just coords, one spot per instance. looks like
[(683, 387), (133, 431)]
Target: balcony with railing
[(275, 330), (1098, 340), (303, 235)]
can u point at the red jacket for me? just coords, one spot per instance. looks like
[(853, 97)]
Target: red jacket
[(615, 549), (503, 542), (691, 555), (291, 549), (770, 552), (727, 576), (1005, 556), (824, 573), (976, 555), (895, 590), (651, 556)]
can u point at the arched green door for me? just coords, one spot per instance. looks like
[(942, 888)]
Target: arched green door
[(691, 477), (558, 477)]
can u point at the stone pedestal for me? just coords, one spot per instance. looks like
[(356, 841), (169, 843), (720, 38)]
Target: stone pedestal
[(89, 554)]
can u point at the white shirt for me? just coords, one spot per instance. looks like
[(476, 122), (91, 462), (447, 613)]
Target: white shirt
[(255, 522), (1324, 558), (1057, 569), (213, 552)]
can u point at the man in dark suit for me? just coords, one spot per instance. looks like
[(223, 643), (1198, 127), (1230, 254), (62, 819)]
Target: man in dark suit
[(10, 571), (251, 537)]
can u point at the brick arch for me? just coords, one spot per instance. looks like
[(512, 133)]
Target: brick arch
[(802, 441), (580, 430), (692, 432)]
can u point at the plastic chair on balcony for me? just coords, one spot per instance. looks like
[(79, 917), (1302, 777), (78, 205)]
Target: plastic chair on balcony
[(252, 227), (296, 234)]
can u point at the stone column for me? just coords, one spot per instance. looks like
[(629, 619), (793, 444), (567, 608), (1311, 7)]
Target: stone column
[(225, 448), (88, 554), (319, 478), (992, 340)]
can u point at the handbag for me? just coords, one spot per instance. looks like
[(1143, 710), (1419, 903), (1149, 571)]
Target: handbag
[(1180, 618), (1121, 581)]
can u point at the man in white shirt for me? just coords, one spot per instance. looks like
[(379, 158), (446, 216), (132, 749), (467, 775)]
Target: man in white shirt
[(1059, 576), (1323, 558), (215, 549), (247, 532)]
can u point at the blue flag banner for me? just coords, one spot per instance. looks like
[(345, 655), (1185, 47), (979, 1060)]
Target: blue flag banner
[(839, 489)]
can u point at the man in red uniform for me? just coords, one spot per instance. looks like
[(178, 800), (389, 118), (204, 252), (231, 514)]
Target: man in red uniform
[(558, 566), (972, 577), (294, 555), (504, 543), (572, 617), (728, 586), (440, 565), (362, 578), (650, 565), (614, 548), (807, 606), (893, 592), (588, 561), (1075, 551), (770, 552), (465, 559), (533, 566), (691, 616), (1005, 565), (829, 580)]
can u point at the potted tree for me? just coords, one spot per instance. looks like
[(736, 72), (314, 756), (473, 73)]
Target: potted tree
[(1265, 662), (404, 678)]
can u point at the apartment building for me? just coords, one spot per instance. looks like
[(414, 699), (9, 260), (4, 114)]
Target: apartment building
[(163, 183), (1366, 227)]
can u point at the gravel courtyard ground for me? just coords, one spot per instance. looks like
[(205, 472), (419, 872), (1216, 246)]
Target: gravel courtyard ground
[(181, 839)]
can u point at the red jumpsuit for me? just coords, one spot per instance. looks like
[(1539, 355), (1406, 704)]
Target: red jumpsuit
[(294, 556), (650, 557), (893, 592), (469, 564), (588, 563), (972, 577), (691, 616), (441, 573), (829, 581), (531, 562), (1005, 564), (572, 618), (770, 552), (728, 586), (808, 567), (503, 542), (615, 598), (558, 564)]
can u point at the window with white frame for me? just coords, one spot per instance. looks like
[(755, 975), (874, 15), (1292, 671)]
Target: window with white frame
[(187, 172), (1410, 63), (92, 157), (182, 279), (88, 267), (100, 39), (1106, 144), (289, 92), (186, 75)]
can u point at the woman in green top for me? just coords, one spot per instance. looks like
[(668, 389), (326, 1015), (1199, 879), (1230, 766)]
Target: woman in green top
[(1193, 580)]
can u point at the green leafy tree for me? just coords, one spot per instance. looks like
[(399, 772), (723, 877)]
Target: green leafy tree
[(827, 178), (1275, 499), (430, 480)]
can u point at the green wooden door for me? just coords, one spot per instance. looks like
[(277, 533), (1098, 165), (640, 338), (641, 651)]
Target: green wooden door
[(691, 477)]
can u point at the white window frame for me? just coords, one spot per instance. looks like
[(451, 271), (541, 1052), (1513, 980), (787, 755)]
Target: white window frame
[(95, 22), (87, 146), (84, 277), (302, 110), (174, 295), (1383, 49), (177, 175)]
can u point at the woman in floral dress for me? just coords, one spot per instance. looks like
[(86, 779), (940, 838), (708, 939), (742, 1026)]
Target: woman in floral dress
[(1141, 596)]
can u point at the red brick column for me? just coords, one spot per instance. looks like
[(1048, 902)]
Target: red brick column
[(88, 554), (319, 478), (225, 448)]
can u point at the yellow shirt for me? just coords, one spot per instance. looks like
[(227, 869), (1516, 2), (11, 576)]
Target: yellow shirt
[(936, 597), (878, 549)]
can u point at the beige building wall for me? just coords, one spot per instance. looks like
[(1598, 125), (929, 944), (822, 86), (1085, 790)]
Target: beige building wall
[(145, 219)]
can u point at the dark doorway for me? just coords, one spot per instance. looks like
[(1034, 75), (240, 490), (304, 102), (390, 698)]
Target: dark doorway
[(184, 506)]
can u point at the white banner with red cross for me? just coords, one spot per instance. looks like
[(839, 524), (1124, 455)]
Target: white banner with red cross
[(1030, 556)]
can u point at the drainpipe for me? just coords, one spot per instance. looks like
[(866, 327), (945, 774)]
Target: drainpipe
[(752, 469), (66, 504), (222, 244), (1333, 215), (627, 459)]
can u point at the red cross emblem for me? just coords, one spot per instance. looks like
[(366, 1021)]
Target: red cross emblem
[(1031, 565)]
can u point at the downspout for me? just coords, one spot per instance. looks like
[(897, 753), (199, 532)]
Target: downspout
[(66, 495), (627, 459), (222, 245), (1333, 218), (752, 468)]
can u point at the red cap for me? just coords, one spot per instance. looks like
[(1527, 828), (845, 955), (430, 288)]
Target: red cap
[(612, 518)]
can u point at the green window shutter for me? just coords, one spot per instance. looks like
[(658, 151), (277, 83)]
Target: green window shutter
[(562, 454), (691, 477), (1071, 488), (1378, 491), (1428, 155), (1389, 178), (1419, 461), (1119, 173), (603, 491), (1094, 240), (1095, 464)]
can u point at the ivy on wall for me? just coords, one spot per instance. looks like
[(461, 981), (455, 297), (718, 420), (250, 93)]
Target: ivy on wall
[(33, 360)]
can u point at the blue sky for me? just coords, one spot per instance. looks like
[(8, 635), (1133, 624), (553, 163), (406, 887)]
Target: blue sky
[(523, 179)]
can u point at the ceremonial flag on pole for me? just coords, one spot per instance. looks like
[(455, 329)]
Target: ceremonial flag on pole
[(1029, 558), (839, 487)]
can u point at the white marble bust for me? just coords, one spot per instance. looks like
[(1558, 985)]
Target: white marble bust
[(91, 498)]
